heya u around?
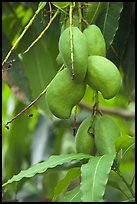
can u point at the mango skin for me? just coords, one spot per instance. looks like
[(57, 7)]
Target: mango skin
[(80, 52), (59, 59), (84, 140), (63, 94), (95, 41), (103, 76), (106, 131)]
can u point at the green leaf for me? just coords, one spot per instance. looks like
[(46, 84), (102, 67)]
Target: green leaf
[(41, 5), (39, 69), (63, 184), (61, 5), (130, 200), (126, 143), (15, 77), (94, 177), (72, 196), (92, 10), (108, 21), (52, 162)]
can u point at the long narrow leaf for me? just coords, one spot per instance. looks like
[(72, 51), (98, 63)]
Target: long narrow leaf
[(72, 196), (109, 20), (63, 184), (92, 10), (52, 162), (94, 177)]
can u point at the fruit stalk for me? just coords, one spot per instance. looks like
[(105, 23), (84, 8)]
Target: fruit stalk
[(71, 38), (80, 15)]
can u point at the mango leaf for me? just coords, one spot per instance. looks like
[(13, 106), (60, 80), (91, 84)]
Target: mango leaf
[(123, 145), (52, 162), (130, 200), (41, 5), (92, 10), (61, 5), (94, 177), (123, 141), (108, 21), (63, 184), (72, 196)]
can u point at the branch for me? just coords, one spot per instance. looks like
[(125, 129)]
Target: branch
[(71, 39), (112, 111), (31, 104)]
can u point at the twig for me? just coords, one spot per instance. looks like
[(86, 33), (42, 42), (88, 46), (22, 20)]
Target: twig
[(42, 33), (75, 122), (111, 111), (31, 104), (84, 21), (50, 10), (71, 39), (80, 15), (22, 34)]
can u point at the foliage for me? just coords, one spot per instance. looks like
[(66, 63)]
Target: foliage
[(39, 158)]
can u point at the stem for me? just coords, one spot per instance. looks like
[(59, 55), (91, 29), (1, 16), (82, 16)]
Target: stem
[(84, 21), (75, 122), (96, 105), (71, 39), (42, 33), (80, 15), (50, 10), (22, 34), (31, 104), (126, 183)]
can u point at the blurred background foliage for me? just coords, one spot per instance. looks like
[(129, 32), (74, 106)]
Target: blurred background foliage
[(33, 139)]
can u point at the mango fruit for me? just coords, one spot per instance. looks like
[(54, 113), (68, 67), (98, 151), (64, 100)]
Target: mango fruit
[(84, 139), (59, 59), (106, 131), (80, 52), (95, 41), (103, 75), (63, 94)]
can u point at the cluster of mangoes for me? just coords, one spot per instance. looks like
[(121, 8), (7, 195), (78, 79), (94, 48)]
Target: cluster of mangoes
[(97, 137), (90, 67), (95, 134)]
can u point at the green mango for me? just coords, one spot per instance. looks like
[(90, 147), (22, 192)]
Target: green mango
[(106, 132), (59, 59), (80, 52), (103, 76), (63, 94), (95, 41), (84, 138)]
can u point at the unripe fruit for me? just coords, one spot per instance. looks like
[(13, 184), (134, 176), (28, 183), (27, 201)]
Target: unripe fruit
[(106, 131), (84, 138), (80, 52), (103, 76), (95, 41), (59, 59), (63, 94)]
